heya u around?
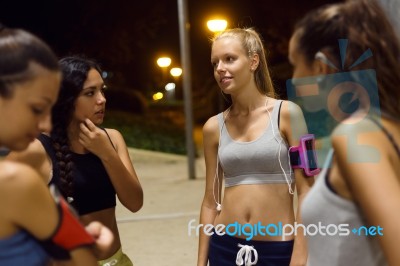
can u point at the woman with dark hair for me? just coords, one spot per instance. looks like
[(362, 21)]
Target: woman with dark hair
[(89, 164), (35, 228), (359, 187)]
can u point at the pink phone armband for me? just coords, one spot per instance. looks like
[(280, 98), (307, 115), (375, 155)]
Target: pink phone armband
[(304, 155)]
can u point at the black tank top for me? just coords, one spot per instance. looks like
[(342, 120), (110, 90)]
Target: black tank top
[(92, 187)]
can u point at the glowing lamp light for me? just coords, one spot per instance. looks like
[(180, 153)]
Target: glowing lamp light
[(158, 96), (176, 71), (164, 61), (217, 25), (170, 86)]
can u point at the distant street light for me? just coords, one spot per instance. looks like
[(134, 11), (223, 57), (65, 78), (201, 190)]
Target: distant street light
[(217, 25), (164, 62), (158, 96), (170, 86), (170, 91), (176, 71)]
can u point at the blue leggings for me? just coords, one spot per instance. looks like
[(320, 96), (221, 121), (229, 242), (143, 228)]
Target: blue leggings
[(224, 249)]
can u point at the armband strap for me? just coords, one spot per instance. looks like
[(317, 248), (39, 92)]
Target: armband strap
[(304, 155), (70, 233)]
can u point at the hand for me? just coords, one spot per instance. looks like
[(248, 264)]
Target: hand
[(103, 237), (94, 139)]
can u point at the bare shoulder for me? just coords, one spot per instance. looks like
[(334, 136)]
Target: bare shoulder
[(211, 131), (211, 126), (355, 125), (290, 111), (351, 132), (113, 133), (34, 155), (292, 122), (17, 187), (32, 207), (18, 178), (116, 137)]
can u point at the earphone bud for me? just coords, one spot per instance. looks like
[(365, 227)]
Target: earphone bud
[(219, 207), (322, 57)]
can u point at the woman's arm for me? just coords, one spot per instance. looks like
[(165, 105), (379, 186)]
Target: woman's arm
[(293, 126), (373, 181), (103, 237), (208, 210), (33, 208), (116, 161)]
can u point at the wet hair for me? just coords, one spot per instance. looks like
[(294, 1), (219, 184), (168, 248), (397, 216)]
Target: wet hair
[(366, 26), (252, 43), (18, 49), (75, 71)]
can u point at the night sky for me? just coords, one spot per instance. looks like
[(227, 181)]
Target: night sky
[(127, 37)]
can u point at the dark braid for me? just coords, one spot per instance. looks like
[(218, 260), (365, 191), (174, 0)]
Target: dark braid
[(75, 70), (64, 163)]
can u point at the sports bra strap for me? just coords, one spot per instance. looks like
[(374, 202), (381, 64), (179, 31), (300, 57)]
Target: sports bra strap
[(275, 114), (388, 135), (108, 137)]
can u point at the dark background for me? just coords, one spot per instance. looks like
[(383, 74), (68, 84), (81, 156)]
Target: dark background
[(127, 36)]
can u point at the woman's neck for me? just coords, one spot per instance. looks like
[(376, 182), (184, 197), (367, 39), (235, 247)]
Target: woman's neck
[(249, 104), (73, 138)]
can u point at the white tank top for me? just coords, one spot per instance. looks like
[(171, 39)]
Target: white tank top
[(321, 205)]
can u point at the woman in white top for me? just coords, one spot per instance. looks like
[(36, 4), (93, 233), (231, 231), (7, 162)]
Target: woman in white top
[(358, 192)]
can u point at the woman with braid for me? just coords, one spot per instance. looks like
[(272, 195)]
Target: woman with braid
[(89, 164)]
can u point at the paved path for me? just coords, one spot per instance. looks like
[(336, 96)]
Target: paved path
[(157, 235)]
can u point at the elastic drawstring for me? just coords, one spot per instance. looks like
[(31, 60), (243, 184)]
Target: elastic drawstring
[(246, 251)]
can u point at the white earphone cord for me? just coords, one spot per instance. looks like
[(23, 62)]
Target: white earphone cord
[(216, 176), (279, 154)]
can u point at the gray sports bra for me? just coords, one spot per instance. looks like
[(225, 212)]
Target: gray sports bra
[(255, 162)]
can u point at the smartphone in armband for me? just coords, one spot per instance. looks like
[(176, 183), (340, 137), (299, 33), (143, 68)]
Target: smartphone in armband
[(304, 155)]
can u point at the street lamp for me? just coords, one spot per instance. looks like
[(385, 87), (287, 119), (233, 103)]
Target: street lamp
[(217, 25), (176, 72), (158, 96), (164, 63), (170, 91)]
